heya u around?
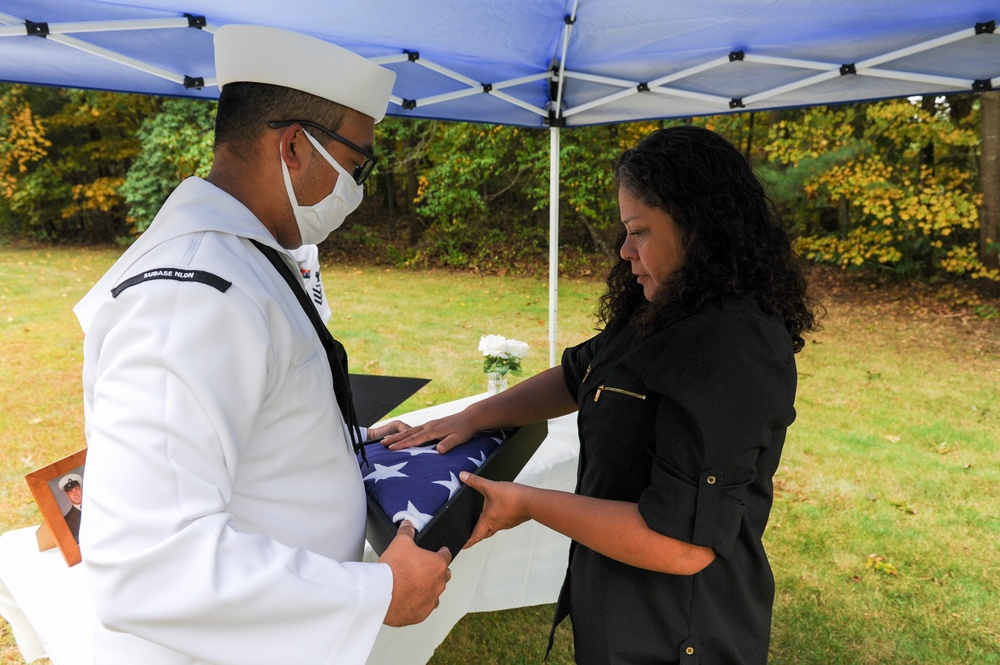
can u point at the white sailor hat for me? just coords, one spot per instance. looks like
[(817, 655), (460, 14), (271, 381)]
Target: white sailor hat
[(261, 54), (69, 481)]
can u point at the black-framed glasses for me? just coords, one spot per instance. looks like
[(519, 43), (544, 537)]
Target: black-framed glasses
[(362, 171)]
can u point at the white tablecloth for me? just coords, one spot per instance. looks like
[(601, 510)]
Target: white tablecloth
[(45, 602)]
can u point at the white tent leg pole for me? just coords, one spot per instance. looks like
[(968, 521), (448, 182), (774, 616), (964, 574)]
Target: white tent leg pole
[(553, 241)]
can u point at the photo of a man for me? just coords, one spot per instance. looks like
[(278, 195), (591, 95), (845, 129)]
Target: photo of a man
[(72, 485)]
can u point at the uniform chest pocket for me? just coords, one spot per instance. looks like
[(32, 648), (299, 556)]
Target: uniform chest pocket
[(304, 363)]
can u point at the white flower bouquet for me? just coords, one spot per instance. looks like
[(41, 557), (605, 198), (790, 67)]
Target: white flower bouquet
[(502, 355)]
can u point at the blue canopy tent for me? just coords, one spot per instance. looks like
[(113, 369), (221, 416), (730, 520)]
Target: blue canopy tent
[(537, 63)]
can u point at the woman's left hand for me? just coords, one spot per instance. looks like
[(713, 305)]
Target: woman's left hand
[(504, 506)]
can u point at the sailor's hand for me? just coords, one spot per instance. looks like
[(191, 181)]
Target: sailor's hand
[(419, 577), (393, 427)]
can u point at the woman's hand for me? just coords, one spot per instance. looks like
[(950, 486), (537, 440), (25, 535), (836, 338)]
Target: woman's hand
[(540, 397), (451, 431), (504, 506)]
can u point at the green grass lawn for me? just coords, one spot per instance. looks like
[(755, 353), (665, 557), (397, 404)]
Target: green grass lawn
[(885, 533)]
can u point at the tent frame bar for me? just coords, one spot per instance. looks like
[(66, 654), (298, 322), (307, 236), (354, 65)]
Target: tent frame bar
[(56, 32), (78, 27)]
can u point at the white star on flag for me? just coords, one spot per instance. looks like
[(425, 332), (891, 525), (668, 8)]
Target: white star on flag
[(417, 518), (450, 485), (382, 472), (478, 462)]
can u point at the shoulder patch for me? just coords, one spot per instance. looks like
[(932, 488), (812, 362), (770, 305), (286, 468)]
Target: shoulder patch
[(175, 274)]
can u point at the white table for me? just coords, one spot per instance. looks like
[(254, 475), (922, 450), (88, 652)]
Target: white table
[(45, 602)]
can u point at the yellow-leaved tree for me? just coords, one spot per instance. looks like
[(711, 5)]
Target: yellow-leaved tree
[(898, 182)]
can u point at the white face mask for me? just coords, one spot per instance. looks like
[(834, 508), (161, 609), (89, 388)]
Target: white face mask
[(317, 221)]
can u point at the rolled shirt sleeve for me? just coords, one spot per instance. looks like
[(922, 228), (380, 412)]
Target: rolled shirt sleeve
[(724, 394)]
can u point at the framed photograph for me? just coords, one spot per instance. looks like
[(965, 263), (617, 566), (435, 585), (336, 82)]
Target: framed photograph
[(58, 491)]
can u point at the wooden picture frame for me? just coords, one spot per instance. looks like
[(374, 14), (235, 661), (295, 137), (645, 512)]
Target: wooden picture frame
[(54, 503)]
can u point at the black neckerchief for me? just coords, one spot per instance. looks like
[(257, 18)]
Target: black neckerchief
[(335, 351)]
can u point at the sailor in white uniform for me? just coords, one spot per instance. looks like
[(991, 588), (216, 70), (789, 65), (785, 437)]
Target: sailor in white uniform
[(225, 509)]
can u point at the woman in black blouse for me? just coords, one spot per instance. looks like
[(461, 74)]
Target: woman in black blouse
[(684, 398)]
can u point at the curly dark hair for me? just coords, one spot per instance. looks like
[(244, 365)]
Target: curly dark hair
[(734, 242)]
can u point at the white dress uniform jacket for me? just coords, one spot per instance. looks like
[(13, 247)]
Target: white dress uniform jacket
[(225, 509)]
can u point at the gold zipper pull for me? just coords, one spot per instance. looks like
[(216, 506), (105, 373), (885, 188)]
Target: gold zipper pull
[(620, 391), (585, 375)]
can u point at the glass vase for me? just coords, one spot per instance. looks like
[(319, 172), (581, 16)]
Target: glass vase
[(495, 383)]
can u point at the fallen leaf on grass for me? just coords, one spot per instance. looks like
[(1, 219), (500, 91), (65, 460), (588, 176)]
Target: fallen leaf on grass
[(880, 565), (905, 508)]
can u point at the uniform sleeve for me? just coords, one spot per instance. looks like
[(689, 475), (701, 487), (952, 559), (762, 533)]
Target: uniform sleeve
[(180, 372), (726, 386)]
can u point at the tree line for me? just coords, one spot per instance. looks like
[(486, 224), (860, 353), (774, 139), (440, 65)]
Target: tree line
[(909, 188)]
